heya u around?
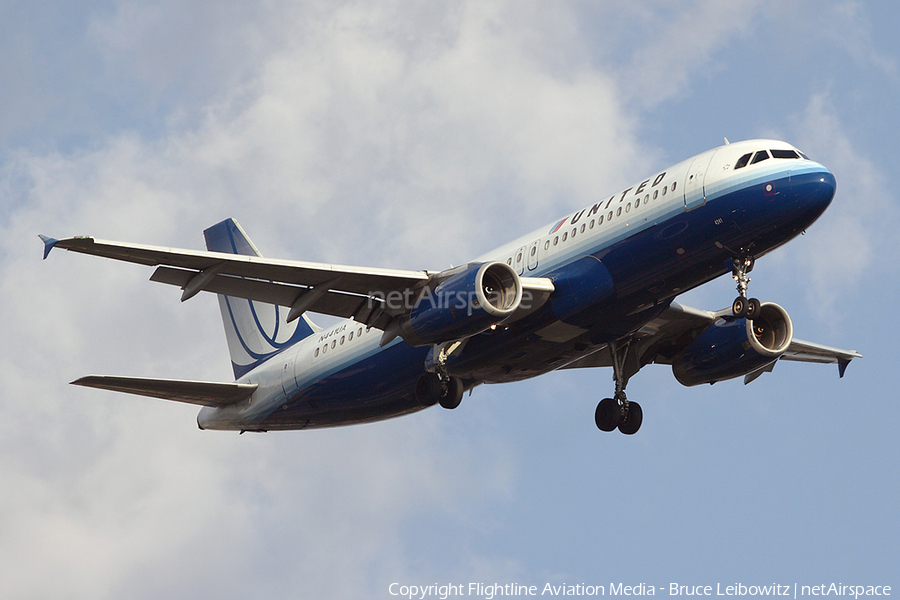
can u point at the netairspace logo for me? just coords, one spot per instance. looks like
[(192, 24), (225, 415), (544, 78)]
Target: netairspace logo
[(489, 591)]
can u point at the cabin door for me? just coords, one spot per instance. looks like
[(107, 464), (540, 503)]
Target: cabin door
[(694, 191)]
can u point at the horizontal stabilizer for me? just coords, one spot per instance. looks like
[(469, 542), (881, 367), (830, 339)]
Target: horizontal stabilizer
[(49, 243), (204, 393)]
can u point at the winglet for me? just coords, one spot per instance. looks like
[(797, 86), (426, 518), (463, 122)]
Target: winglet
[(842, 366), (49, 242)]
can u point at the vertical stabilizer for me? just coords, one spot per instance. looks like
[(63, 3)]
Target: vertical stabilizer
[(255, 331)]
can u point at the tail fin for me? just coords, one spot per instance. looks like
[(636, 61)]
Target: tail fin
[(255, 331)]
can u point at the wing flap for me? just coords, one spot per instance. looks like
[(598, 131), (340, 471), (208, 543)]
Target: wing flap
[(203, 393), (327, 302)]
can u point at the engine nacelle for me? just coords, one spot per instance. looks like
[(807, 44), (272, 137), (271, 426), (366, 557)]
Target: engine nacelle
[(734, 347), (465, 304)]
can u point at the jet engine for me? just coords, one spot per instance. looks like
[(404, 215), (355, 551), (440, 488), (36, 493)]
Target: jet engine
[(734, 347), (467, 302)]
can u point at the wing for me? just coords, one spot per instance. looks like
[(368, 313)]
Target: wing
[(663, 337), (361, 293), (204, 393), (658, 340), (816, 353), (337, 290)]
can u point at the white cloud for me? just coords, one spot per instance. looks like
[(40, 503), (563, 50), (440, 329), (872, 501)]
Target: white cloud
[(848, 25), (395, 135), (842, 247), (441, 136), (679, 44)]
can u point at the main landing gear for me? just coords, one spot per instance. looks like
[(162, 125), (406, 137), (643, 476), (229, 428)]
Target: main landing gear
[(618, 412), (434, 389), (742, 307), (439, 386)]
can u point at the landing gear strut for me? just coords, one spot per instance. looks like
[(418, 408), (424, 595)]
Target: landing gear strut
[(742, 307), (618, 412)]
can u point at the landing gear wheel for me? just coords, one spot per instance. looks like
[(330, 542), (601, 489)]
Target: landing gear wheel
[(753, 309), (428, 389), (632, 419), (740, 307), (607, 415), (453, 394)]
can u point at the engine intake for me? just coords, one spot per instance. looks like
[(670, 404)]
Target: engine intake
[(734, 347), (465, 304)]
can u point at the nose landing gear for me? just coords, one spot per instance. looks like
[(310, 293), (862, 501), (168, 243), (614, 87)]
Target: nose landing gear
[(742, 307)]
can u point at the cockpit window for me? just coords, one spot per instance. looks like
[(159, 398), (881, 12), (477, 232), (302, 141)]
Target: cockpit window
[(784, 154), (759, 157), (742, 161), (804, 156)]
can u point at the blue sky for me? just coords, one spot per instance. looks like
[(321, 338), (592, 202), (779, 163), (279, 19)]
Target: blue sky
[(419, 136)]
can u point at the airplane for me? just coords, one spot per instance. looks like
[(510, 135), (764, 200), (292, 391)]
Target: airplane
[(595, 288)]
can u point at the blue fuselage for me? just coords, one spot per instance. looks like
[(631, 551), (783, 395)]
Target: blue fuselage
[(616, 264)]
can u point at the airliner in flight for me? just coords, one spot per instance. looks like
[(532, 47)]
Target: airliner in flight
[(595, 288)]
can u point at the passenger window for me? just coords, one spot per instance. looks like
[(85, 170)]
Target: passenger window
[(742, 161), (317, 352), (600, 221), (519, 257), (759, 157), (783, 154), (647, 199), (655, 194), (592, 224), (609, 216), (547, 245), (324, 348), (673, 186), (555, 240), (359, 333), (583, 226), (628, 207), (565, 236), (342, 340), (350, 337), (619, 211), (574, 231), (333, 344), (637, 202), (665, 189), (533, 250), (509, 261)]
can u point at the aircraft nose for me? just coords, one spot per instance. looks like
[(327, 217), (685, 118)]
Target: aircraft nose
[(814, 190)]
